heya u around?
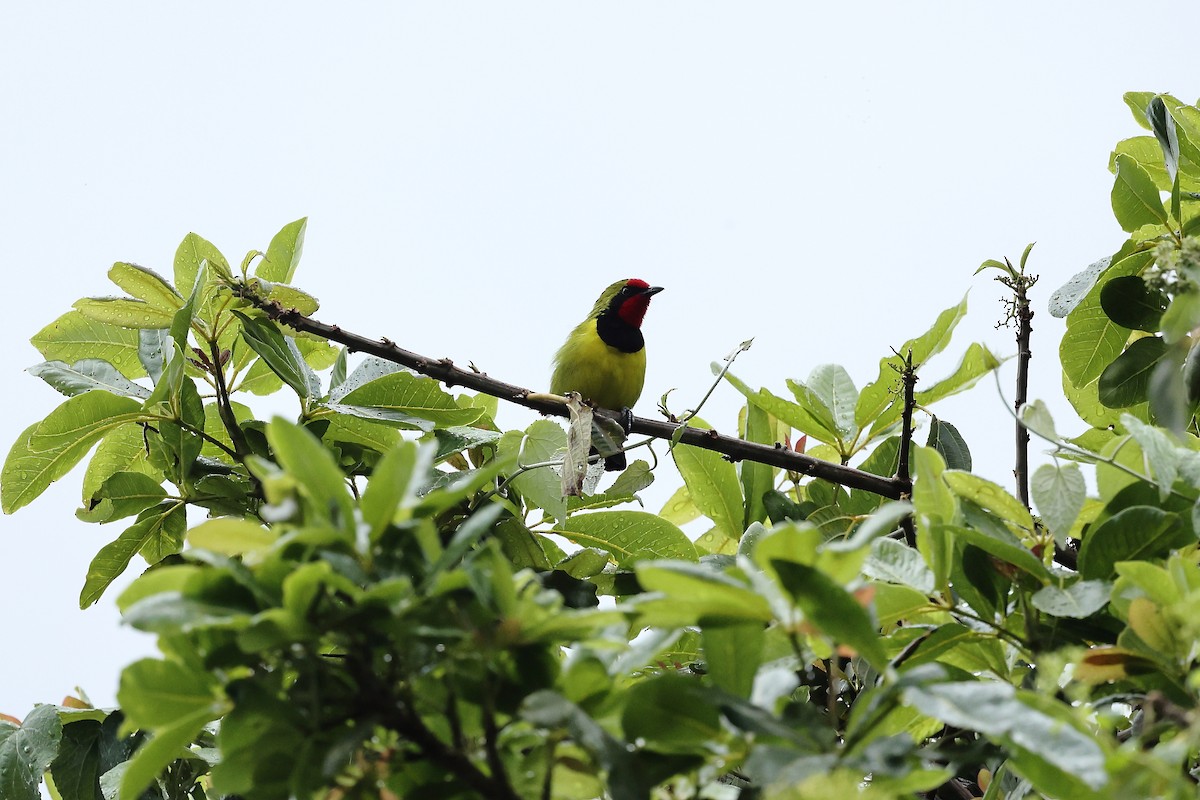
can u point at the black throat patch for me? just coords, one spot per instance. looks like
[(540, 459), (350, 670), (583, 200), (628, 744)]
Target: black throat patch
[(616, 332)]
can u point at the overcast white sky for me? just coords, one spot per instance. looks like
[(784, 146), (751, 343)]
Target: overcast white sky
[(822, 177)]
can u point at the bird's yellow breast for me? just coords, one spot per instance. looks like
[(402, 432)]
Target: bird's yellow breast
[(601, 373)]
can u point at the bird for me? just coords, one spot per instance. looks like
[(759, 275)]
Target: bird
[(604, 357)]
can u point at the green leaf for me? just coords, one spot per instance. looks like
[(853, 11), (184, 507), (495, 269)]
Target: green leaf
[(313, 467), (280, 353), (1080, 599), (410, 394), (698, 592), (73, 337), (121, 450), (757, 478), (1065, 298), (1138, 532), (671, 714), (833, 609), (27, 751), (124, 312), (1130, 303), (975, 363), (158, 531), (231, 536), (837, 393), (544, 441), (168, 744), (394, 484), (990, 496), (1003, 545), (945, 438), (85, 376), (283, 254), (146, 285), (1064, 754), (712, 483), (896, 562), (1093, 340), (156, 693), (875, 397), (47, 450), (630, 536), (679, 508), (191, 252), (1135, 198), (1126, 381), (1163, 126), (933, 503), (732, 654), (122, 495), (1059, 492)]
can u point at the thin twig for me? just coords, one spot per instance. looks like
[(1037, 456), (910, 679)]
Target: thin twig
[(444, 370)]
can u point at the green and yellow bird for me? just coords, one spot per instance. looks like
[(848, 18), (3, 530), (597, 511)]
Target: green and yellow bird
[(604, 357)]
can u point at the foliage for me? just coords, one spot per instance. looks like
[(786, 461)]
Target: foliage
[(379, 598)]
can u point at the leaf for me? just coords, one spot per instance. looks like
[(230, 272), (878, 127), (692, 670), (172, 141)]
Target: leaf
[(837, 393), (394, 484), (283, 254), (124, 312), (1059, 492), (1000, 712), (146, 285), (73, 337), (975, 363), (1138, 532), (312, 465), (410, 394), (1135, 198), (876, 396), (898, 563), (630, 536), (679, 508), (833, 609), (1093, 340), (757, 478), (168, 744), (123, 494), (544, 441), (85, 376), (1126, 381), (157, 529), (712, 483), (155, 693), (192, 251), (27, 751), (1130, 303), (732, 654), (231, 536), (1164, 130), (950, 444), (990, 496), (1003, 545), (280, 354), (1080, 599), (698, 592), (1065, 298), (47, 450), (933, 503), (671, 713)]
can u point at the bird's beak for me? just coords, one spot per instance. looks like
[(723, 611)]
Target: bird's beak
[(652, 290)]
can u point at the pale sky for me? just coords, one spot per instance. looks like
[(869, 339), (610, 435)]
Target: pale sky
[(824, 179)]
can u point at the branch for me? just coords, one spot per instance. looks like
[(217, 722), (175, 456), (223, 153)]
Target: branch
[(444, 370), (909, 379)]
